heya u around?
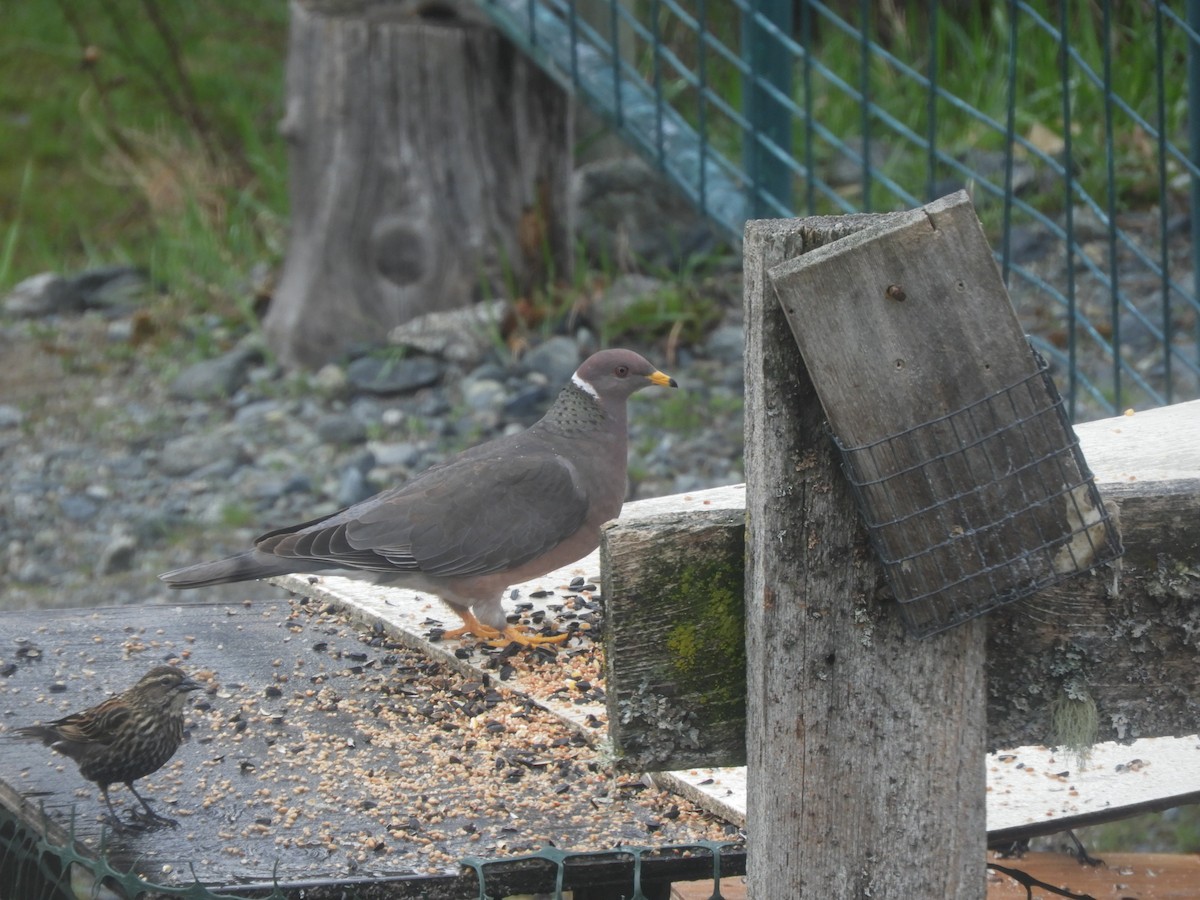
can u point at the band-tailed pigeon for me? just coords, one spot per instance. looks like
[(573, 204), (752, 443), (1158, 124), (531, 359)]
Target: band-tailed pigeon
[(506, 511)]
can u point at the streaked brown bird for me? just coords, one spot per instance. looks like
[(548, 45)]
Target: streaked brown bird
[(506, 511), (127, 737)]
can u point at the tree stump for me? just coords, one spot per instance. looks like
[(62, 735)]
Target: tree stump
[(430, 166)]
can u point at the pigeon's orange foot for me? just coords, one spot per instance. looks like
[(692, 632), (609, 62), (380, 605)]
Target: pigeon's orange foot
[(471, 625), (514, 633), (510, 634)]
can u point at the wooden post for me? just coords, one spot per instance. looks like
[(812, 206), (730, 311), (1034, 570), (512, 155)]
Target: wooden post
[(430, 165), (865, 747)]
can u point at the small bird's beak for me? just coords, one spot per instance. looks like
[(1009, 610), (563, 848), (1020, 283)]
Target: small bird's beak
[(661, 379), (188, 685)]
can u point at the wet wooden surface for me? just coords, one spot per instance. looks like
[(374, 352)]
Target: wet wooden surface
[(324, 751), (1145, 876)]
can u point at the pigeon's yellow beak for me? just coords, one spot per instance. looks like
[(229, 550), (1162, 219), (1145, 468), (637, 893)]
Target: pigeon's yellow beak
[(661, 379)]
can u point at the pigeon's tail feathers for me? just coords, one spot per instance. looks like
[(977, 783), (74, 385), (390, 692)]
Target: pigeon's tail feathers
[(247, 566)]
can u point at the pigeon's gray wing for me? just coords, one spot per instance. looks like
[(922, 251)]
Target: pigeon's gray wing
[(473, 517)]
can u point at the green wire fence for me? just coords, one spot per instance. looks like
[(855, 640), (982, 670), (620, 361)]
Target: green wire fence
[(35, 866), (1071, 123)]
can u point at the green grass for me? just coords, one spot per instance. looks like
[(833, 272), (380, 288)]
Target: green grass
[(678, 308), (143, 132)]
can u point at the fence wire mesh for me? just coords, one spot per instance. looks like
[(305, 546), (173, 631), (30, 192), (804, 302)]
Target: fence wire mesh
[(1072, 124), (633, 857), (982, 506), (35, 866)]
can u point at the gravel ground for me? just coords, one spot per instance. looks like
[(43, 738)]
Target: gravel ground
[(116, 463)]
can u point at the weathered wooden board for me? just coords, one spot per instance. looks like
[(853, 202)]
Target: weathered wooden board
[(1033, 791), (327, 754), (881, 364), (1124, 640), (1036, 791), (863, 745), (966, 471), (1126, 636), (691, 596)]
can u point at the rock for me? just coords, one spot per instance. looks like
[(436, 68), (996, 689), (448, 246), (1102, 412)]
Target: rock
[(726, 344), (403, 454), (587, 341), (483, 395), (52, 294), (10, 416), (42, 295), (218, 470), (341, 429), (352, 487), (110, 287), (185, 454), (990, 165), (394, 376), (120, 331), (1029, 243), (528, 404), (117, 555), (627, 214), (462, 336), (271, 488), (215, 379), (259, 414), (490, 370), (99, 492), (392, 418), (78, 507), (364, 461), (433, 405), (330, 380), (557, 359), (30, 571)]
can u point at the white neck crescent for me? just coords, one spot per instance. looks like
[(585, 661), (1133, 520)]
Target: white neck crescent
[(584, 386)]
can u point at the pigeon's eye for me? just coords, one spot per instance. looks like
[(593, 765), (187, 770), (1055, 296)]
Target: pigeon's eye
[(621, 371)]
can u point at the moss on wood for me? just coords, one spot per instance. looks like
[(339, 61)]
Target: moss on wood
[(677, 659)]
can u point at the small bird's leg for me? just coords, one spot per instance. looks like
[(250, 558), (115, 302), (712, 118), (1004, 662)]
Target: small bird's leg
[(113, 819), (150, 814), (1081, 854)]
